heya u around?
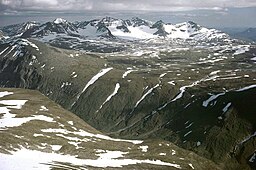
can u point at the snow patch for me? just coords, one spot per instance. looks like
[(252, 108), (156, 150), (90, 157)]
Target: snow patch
[(12, 48), (43, 66), (248, 138), (144, 148), (126, 73), (188, 133), (4, 50), (92, 81), (59, 20), (240, 49), (226, 107), (109, 154), (246, 88), (210, 99), (9, 120), (37, 135), (191, 166), (71, 123), (253, 158), (147, 93), (31, 44), (13, 104), (56, 147), (214, 72), (172, 83), (73, 75), (111, 95), (88, 134), (162, 75), (198, 143), (43, 108), (65, 84), (182, 91), (189, 125), (5, 93), (42, 160)]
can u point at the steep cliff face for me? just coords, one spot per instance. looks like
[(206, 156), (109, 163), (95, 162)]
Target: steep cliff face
[(182, 96)]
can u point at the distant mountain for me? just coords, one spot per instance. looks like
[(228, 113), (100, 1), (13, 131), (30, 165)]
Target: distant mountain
[(19, 29), (249, 34), (111, 33), (58, 26)]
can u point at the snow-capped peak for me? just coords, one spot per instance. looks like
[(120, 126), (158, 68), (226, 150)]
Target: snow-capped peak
[(59, 20), (29, 25), (128, 29)]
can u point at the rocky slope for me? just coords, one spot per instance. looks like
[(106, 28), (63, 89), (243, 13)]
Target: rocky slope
[(198, 96)]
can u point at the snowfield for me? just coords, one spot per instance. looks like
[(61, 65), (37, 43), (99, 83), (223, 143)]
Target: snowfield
[(31, 159)]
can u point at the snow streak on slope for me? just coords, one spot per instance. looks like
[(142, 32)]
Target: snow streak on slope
[(246, 88), (147, 93), (225, 109), (26, 42), (93, 80), (12, 48), (3, 50), (182, 91), (112, 95), (212, 98), (126, 73)]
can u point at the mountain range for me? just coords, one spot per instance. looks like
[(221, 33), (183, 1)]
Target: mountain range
[(144, 84), (133, 29)]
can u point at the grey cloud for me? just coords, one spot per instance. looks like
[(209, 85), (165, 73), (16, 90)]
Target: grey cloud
[(163, 5)]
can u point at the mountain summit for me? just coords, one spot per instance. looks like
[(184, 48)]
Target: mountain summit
[(133, 29), (108, 34), (59, 20)]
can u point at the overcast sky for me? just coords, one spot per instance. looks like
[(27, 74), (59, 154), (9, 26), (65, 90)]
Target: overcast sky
[(210, 13), (158, 5)]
